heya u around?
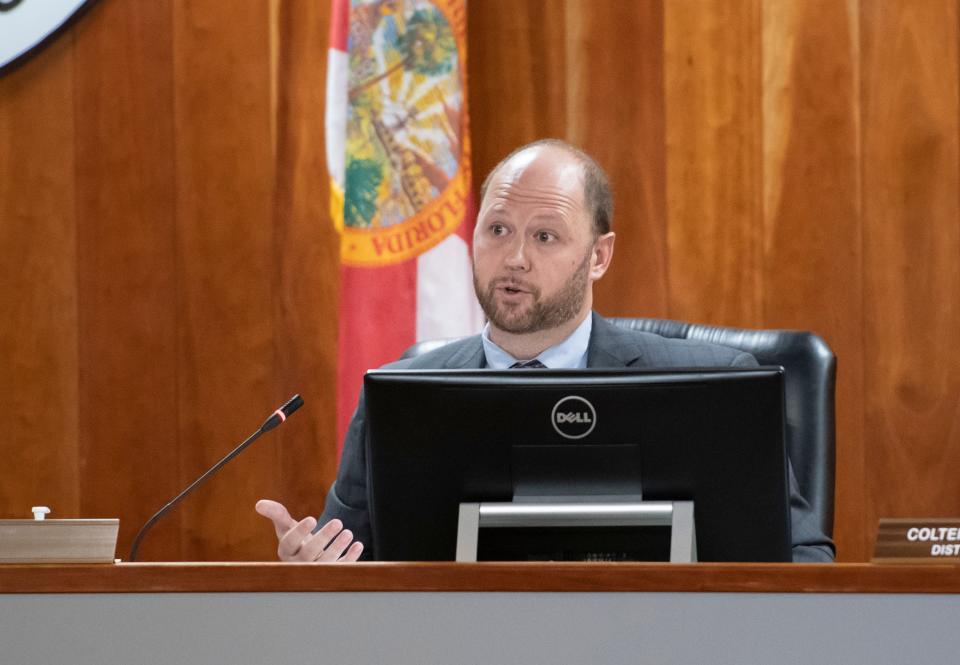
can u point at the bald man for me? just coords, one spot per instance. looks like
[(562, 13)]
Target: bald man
[(543, 238)]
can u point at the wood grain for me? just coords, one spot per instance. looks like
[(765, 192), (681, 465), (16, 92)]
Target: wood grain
[(480, 577), (516, 67), (306, 264), (225, 244), (811, 225), (714, 160), (126, 269), (58, 541), (616, 51), (911, 245), (38, 290)]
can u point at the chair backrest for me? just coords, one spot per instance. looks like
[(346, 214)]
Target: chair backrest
[(810, 378), (810, 372)]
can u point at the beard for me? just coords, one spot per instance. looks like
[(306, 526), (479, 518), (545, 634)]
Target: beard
[(542, 314)]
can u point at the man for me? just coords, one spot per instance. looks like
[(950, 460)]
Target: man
[(542, 239)]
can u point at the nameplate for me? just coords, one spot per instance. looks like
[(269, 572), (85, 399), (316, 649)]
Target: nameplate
[(918, 541), (58, 541)]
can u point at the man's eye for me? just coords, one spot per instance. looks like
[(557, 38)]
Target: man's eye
[(498, 229), (544, 236)]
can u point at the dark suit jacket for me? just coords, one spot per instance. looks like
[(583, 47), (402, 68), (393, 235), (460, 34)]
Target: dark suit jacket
[(610, 347)]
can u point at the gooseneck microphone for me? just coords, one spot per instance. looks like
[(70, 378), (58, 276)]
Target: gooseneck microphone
[(275, 419)]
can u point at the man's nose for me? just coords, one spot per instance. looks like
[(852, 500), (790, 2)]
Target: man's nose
[(517, 258)]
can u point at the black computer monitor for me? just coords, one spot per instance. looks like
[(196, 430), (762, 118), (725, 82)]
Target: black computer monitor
[(437, 438)]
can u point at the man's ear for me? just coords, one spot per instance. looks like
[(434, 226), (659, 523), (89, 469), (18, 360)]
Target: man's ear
[(601, 255)]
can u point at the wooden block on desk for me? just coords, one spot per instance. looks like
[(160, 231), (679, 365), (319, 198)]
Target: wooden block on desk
[(58, 541)]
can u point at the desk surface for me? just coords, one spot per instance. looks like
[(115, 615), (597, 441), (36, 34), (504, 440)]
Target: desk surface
[(460, 577)]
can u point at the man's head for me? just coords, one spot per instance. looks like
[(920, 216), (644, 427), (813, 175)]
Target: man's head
[(542, 238), (597, 196)]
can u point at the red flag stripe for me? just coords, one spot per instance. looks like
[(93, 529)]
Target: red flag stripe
[(340, 24), (378, 312)]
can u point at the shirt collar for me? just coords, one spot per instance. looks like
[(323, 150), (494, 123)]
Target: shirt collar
[(571, 353)]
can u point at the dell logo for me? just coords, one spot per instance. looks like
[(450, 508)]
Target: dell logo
[(573, 417)]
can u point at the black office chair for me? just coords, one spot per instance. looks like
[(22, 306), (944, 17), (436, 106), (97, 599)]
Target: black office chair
[(810, 379)]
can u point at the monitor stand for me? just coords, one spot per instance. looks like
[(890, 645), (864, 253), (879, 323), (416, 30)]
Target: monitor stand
[(579, 513)]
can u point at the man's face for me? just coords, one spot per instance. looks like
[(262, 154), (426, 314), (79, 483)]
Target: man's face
[(533, 259)]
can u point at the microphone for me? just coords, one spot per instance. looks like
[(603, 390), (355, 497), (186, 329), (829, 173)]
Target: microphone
[(275, 419)]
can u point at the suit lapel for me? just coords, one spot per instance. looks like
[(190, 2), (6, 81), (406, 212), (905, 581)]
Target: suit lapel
[(611, 346), (469, 355)]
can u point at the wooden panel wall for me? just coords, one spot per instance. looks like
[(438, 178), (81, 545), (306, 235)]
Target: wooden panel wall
[(169, 270), (911, 244), (39, 400)]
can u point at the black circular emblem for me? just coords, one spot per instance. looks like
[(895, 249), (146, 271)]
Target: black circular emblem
[(573, 417)]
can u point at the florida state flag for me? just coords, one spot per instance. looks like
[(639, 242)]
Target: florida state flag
[(398, 152)]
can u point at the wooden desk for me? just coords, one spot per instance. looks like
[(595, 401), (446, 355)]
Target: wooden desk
[(478, 613)]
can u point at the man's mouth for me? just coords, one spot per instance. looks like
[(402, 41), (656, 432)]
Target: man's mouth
[(512, 288)]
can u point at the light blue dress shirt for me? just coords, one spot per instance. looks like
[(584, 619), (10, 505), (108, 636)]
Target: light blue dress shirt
[(571, 353)]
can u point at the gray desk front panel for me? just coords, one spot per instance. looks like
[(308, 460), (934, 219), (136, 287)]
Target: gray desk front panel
[(528, 628)]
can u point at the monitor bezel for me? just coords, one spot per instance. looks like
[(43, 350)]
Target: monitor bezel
[(387, 389)]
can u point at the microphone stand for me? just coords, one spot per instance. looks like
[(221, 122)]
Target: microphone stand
[(275, 419)]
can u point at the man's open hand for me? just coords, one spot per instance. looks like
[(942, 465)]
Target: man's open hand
[(298, 542)]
